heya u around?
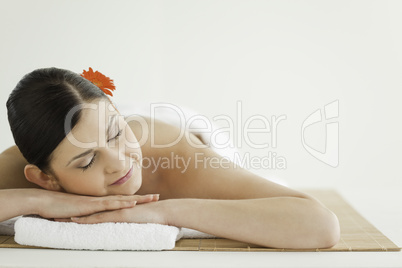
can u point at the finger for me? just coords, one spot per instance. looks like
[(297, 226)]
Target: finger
[(109, 216), (111, 204), (147, 198), (62, 220), (155, 197)]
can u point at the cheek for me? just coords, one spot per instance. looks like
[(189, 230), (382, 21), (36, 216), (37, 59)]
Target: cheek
[(82, 183), (131, 144), (129, 135)]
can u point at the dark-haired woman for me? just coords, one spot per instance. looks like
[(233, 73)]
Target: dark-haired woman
[(77, 159)]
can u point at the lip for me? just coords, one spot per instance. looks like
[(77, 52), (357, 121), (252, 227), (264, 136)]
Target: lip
[(124, 178)]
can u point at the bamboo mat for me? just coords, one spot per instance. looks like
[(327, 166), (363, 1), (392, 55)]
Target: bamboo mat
[(357, 234)]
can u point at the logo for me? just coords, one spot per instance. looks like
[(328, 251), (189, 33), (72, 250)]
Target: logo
[(331, 154)]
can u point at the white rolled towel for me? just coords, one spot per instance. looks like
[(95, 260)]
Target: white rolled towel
[(33, 230), (36, 231)]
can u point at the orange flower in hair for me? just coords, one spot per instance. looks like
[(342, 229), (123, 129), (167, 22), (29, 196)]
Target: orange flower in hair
[(99, 80)]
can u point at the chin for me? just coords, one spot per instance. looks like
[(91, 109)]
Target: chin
[(134, 185)]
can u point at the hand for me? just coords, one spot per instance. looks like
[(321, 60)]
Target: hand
[(155, 212), (53, 204)]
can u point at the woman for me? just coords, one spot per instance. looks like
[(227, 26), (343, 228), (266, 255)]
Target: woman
[(79, 160)]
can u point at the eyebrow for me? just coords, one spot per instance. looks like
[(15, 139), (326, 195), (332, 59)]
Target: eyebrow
[(113, 118), (80, 155)]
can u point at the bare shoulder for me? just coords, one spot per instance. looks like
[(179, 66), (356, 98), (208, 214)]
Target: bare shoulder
[(13, 150), (157, 133), (12, 164), (195, 171), (160, 142), (13, 155)]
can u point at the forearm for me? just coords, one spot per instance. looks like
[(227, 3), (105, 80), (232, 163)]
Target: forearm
[(16, 202), (280, 222)]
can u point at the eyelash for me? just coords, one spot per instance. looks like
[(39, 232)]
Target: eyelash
[(93, 158), (90, 163), (115, 137)]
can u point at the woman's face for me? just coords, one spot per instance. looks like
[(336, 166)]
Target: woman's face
[(97, 152)]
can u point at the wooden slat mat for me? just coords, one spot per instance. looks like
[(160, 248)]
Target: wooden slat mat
[(357, 234)]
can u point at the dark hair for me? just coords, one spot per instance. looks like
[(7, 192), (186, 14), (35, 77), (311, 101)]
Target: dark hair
[(37, 108)]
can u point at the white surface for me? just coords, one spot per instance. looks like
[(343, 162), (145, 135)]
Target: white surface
[(380, 207)]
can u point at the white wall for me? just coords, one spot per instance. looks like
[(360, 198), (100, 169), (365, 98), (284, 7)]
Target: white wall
[(277, 57)]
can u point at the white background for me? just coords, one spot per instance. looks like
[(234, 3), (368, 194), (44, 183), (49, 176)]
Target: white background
[(276, 57)]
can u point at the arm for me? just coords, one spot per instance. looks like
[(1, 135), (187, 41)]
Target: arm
[(16, 202), (280, 222), (232, 202), (52, 204)]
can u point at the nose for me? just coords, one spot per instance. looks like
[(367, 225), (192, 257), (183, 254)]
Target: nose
[(115, 162)]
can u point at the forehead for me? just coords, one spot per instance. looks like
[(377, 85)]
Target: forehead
[(89, 131), (95, 115)]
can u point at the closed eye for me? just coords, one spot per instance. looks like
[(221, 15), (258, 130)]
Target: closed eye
[(115, 137), (93, 158), (90, 163)]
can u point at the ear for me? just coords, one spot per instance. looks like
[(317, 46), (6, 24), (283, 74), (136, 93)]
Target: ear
[(37, 176)]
